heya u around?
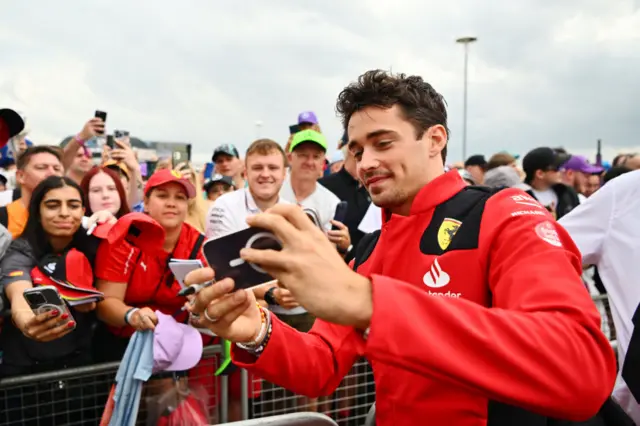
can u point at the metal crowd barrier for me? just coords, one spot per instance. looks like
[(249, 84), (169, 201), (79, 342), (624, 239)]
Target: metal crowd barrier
[(77, 396), (348, 405)]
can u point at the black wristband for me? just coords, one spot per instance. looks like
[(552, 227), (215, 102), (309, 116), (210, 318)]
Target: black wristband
[(269, 297), (126, 315)]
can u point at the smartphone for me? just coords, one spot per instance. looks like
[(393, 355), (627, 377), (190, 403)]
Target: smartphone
[(111, 143), (223, 255), (102, 115), (340, 214), (46, 298), (294, 128), (313, 216)]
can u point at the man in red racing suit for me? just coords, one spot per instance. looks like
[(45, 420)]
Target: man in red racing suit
[(503, 319)]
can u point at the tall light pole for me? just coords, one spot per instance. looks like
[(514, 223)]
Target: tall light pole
[(465, 41), (258, 125)]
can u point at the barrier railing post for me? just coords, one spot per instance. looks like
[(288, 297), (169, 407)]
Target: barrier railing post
[(224, 399), (244, 393)]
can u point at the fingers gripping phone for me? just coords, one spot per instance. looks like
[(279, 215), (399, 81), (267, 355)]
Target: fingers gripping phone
[(340, 214), (111, 142), (46, 298)]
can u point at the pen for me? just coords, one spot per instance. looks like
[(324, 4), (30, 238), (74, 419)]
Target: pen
[(194, 289), (92, 228)]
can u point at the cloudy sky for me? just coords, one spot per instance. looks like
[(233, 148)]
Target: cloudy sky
[(542, 72)]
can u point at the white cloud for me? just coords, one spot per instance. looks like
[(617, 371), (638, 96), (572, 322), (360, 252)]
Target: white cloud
[(541, 73)]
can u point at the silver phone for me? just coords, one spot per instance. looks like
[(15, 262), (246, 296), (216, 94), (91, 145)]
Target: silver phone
[(46, 298)]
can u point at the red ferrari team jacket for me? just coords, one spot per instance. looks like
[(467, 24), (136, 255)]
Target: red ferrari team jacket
[(508, 320)]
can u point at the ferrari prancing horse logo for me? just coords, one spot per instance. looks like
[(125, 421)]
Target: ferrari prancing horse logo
[(447, 230)]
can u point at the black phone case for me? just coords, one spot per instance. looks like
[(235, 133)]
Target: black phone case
[(340, 214), (223, 255)]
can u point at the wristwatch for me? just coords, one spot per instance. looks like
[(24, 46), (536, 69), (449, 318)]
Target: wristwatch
[(344, 252), (269, 297)]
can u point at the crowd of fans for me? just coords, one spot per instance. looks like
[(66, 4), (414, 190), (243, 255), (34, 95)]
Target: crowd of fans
[(56, 201)]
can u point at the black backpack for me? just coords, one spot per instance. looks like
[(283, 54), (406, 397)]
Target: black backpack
[(4, 213), (467, 206)]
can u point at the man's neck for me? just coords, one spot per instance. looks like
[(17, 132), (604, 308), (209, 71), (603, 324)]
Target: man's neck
[(539, 186), (238, 182), (404, 209), (25, 197), (75, 176), (302, 188), (263, 205), (171, 238)]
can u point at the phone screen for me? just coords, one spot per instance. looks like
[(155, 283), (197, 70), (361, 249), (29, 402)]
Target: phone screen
[(111, 142)]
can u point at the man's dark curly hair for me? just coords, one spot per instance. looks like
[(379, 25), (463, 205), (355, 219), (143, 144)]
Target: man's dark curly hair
[(417, 99)]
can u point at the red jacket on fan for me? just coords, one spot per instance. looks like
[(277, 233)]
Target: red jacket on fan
[(437, 351)]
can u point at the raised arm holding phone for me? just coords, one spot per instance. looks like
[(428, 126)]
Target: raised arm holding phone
[(421, 306)]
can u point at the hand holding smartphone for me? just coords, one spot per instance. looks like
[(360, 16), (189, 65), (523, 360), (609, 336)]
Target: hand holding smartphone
[(340, 214), (52, 318), (103, 116)]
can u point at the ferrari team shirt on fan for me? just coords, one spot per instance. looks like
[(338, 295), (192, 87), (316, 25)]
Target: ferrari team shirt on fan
[(147, 277), (606, 229), (321, 200)]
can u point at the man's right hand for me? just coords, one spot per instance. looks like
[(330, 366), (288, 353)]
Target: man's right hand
[(235, 315), (45, 327), (91, 129)]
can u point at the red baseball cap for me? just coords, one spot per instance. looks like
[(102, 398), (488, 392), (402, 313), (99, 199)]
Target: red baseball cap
[(69, 272), (166, 176), (139, 230)]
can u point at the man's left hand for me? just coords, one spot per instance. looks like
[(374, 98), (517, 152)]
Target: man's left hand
[(340, 237), (311, 269)]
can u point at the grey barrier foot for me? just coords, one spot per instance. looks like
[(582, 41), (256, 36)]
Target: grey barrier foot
[(294, 419)]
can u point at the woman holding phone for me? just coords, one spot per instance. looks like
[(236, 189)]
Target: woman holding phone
[(53, 340)]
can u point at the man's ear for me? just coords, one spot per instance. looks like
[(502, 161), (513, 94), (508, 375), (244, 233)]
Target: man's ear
[(436, 139), (20, 178)]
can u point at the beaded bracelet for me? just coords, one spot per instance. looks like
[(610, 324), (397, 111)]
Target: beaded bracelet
[(258, 345)]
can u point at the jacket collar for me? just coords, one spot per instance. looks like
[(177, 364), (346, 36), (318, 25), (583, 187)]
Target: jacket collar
[(434, 193)]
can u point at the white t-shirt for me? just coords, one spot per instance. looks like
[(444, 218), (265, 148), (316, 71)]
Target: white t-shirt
[(228, 214), (547, 198), (372, 220), (606, 229), (6, 197), (323, 201)]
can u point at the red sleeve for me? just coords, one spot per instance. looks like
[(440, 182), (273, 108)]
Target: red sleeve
[(323, 356), (540, 348), (115, 262)]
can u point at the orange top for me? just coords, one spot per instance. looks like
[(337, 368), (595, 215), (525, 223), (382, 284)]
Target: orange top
[(18, 215)]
